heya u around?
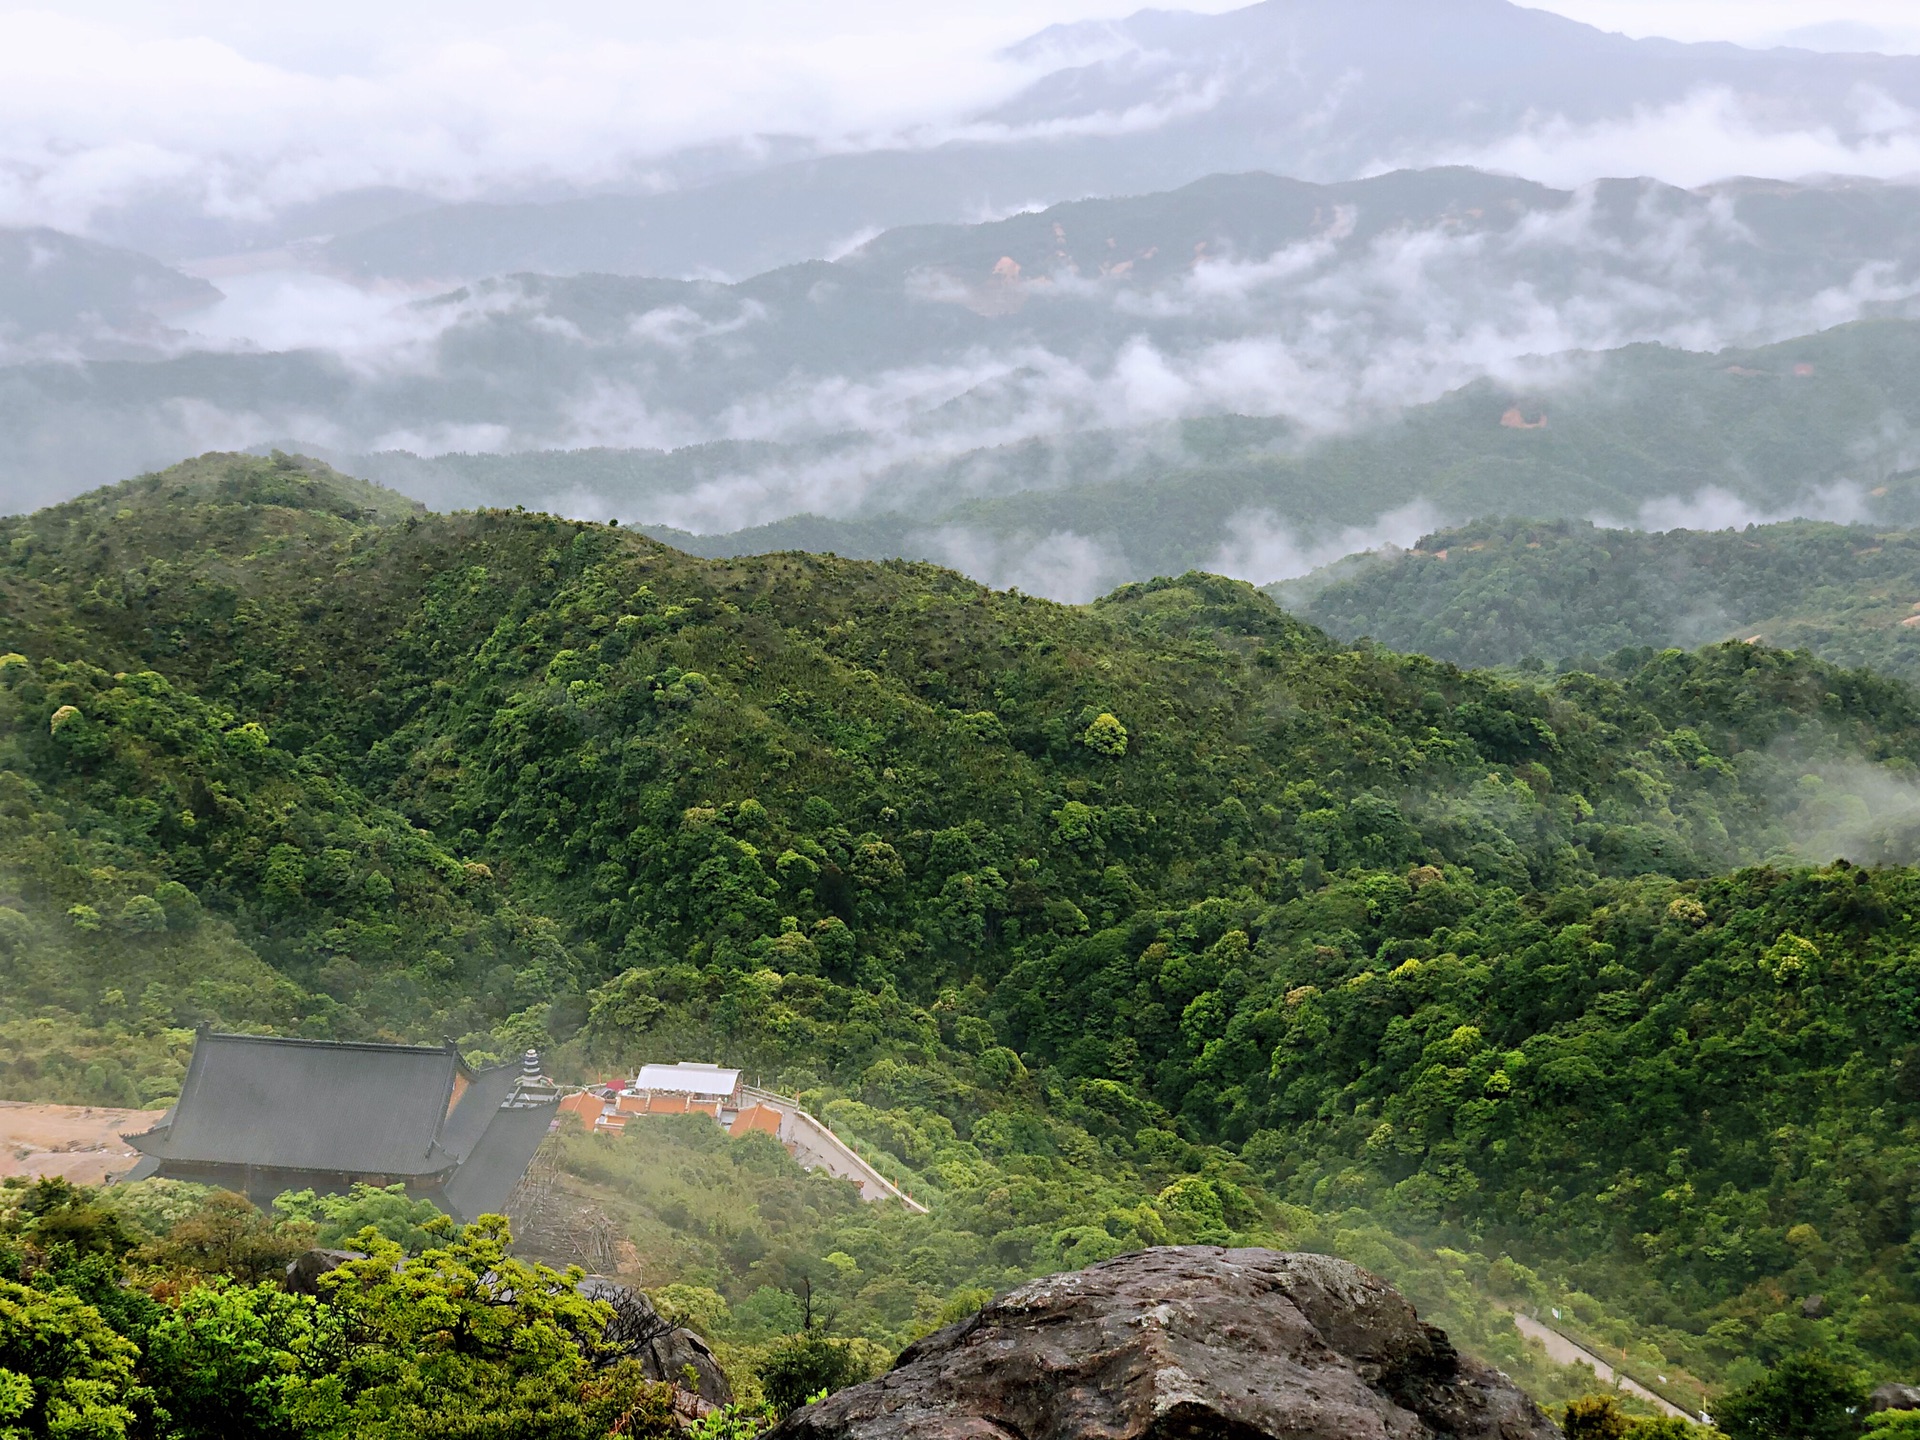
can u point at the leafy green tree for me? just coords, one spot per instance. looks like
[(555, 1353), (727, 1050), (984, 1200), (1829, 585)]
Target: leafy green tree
[(228, 1236), (1667, 1427), (1105, 736), (16, 1399), (64, 1374), (142, 914), (223, 1358), (732, 1422), (389, 1209), (60, 1214), (1804, 1397), (100, 1280), (468, 1340), (1893, 1425), (1594, 1417), (698, 1307)]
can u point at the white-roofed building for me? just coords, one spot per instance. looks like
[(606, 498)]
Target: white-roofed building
[(698, 1088), (696, 1080)]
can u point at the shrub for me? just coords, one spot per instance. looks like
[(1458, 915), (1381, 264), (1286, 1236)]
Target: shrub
[(803, 1366), (1594, 1417)]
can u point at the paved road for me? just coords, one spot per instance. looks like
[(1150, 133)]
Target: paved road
[(1563, 1351)]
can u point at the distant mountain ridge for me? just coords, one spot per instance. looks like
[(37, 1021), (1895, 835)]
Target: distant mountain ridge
[(65, 296), (1319, 91)]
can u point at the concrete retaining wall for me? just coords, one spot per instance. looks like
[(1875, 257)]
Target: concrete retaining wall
[(818, 1148)]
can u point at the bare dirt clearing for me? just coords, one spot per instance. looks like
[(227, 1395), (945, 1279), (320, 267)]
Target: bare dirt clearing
[(79, 1142)]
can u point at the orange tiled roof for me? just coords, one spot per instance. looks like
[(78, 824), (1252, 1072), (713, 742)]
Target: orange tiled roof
[(759, 1119)]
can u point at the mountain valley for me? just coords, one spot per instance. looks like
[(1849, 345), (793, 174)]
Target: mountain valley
[(837, 702)]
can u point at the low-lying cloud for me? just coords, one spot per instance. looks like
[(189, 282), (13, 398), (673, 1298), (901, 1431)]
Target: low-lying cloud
[(1715, 508), (1322, 337), (1262, 547), (239, 113), (380, 329), (1061, 565), (1326, 334), (1848, 810), (1711, 135)]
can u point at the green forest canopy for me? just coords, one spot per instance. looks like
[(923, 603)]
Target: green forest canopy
[(1164, 917), (1566, 592)]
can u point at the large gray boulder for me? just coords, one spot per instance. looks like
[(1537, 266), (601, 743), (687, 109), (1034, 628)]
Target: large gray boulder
[(306, 1268), (1894, 1396), (1185, 1341)]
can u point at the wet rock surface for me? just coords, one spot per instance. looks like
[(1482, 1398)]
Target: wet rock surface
[(306, 1268), (1894, 1396), (1185, 1341)]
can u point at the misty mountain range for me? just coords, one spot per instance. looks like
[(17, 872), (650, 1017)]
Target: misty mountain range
[(1048, 398), (1319, 307), (65, 296), (1295, 87), (1643, 436)]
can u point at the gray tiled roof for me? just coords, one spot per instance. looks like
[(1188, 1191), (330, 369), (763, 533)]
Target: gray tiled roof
[(481, 1185), (468, 1122), (314, 1105)]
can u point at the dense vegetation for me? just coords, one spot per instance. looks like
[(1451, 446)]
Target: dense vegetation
[(152, 1312), (1166, 917), (1564, 592)]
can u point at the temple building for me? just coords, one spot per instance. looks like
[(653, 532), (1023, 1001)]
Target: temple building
[(698, 1087), (261, 1115)]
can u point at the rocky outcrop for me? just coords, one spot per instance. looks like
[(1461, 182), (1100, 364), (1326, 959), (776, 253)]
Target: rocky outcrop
[(665, 1351), (1894, 1396), (306, 1268), (1185, 1341)]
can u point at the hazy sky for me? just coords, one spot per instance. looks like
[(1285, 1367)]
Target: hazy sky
[(361, 35), (348, 34), (246, 106), (1890, 25)]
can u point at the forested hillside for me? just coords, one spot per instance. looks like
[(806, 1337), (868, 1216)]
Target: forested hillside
[(1164, 917), (1563, 592)]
